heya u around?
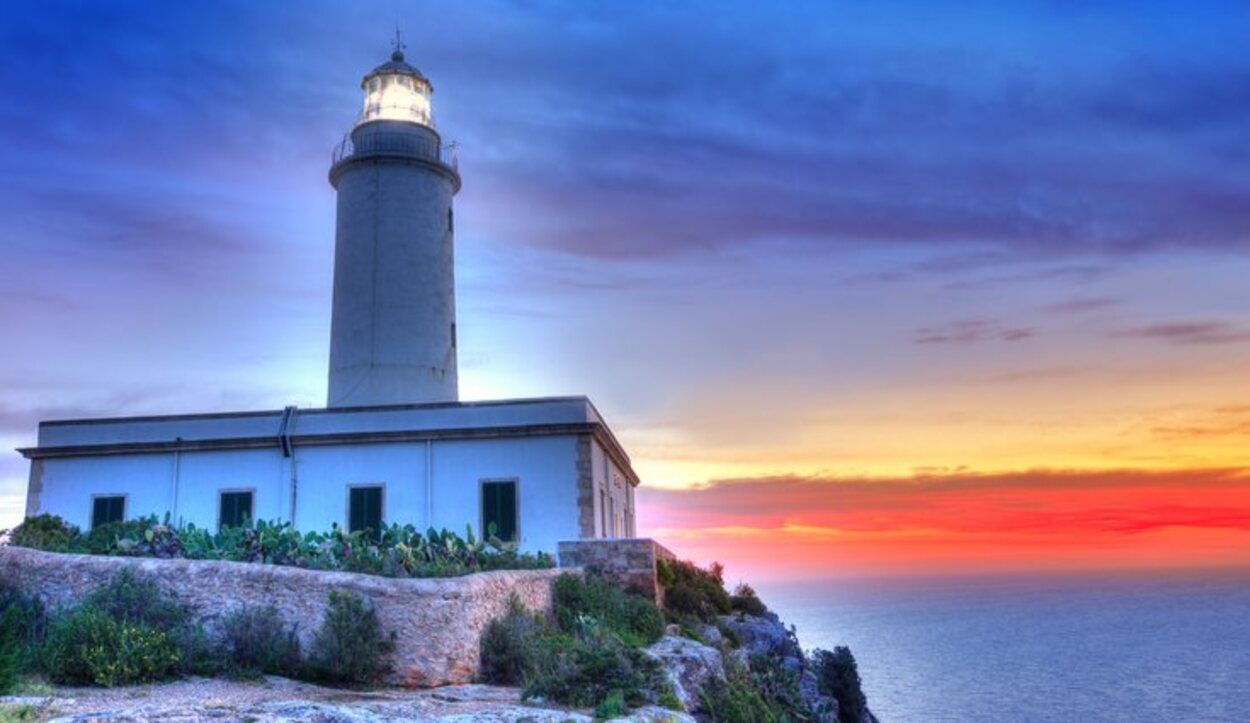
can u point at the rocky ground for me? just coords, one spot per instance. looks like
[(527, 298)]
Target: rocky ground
[(274, 700), (689, 665)]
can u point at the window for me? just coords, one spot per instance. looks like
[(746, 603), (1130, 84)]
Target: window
[(235, 509), (451, 221), (499, 510), (365, 510), (106, 509)]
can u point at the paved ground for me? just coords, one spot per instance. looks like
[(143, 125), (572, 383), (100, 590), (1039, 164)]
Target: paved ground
[(274, 700)]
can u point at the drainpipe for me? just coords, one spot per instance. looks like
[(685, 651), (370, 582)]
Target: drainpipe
[(429, 483), (173, 497), (285, 429)]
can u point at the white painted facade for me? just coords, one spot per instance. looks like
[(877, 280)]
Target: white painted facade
[(430, 461)]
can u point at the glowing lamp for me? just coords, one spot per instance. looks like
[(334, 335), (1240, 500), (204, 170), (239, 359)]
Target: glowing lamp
[(397, 91)]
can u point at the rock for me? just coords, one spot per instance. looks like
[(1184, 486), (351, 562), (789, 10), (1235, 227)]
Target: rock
[(711, 635), (763, 635), (823, 706), (655, 714), (689, 666)]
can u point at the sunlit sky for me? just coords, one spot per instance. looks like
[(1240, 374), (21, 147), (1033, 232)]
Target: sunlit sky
[(862, 289)]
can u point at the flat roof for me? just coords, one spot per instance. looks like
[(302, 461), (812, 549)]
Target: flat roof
[(321, 426)]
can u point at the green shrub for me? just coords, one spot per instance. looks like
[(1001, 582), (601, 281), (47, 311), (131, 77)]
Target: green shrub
[(744, 600), (584, 666), (690, 591), (735, 699), (45, 532), (612, 707), (592, 665), (838, 676), (350, 647), (255, 641), (398, 551), (22, 618), (131, 597), (88, 646), (513, 646), (18, 713), (11, 654), (632, 618)]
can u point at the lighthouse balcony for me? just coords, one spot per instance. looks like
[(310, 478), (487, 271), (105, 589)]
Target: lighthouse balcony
[(396, 143)]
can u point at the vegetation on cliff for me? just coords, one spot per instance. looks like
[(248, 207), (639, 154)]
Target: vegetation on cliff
[(132, 631), (397, 551), (591, 655)]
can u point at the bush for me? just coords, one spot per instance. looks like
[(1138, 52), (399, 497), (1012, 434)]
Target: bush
[(22, 628), (633, 618), (129, 630), (838, 676), (350, 647), (612, 707), (593, 665), (513, 646), (45, 532), (735, 699), (134, 598), (23, 619), (88, 646), (690, 591), (586, 665), (255, 641), (744, 600), (10, 661), (18, 713)]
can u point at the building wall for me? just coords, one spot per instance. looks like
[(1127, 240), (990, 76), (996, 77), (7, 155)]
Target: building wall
[(188, 483), (613, 496)]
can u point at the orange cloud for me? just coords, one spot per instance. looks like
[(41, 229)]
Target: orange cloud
[(815, 526)]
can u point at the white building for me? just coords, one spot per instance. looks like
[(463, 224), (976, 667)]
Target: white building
[(394, 443)]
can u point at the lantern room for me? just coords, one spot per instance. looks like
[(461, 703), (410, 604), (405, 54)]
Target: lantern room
[(396, 91)]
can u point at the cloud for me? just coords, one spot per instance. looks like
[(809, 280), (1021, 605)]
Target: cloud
[(948, 521), (1189, 332), (971, 331), (1081, 305)]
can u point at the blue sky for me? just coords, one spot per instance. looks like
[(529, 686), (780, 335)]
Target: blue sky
[(808, 238)]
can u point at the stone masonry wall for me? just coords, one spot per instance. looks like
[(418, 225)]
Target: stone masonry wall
[(438, 622), (628, 561)]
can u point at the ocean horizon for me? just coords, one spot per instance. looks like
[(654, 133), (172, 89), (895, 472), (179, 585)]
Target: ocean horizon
[(1091, 647)]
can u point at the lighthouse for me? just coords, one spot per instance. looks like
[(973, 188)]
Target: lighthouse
[(393, 328), (394, 444)]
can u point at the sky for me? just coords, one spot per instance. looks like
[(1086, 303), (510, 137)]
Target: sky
[(864, 288)]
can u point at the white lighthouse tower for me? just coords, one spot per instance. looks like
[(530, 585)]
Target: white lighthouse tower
[(393, 330)]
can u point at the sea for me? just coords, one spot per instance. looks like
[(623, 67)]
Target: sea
[(1073, 648)]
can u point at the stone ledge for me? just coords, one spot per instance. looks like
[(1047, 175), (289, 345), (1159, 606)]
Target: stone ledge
[(629, 561), (438, 622)]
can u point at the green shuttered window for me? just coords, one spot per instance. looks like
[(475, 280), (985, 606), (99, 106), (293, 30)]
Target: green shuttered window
[(499, 510), (365, 510), (108, 509), (236, 509)]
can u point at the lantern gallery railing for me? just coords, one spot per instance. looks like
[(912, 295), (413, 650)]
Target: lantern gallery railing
[(407, 144)]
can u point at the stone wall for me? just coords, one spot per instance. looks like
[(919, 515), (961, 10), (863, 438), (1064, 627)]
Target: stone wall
[(629, 561), (438, 623)]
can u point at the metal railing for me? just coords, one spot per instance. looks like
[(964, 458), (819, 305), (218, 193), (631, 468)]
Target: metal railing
[(388, 143)]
